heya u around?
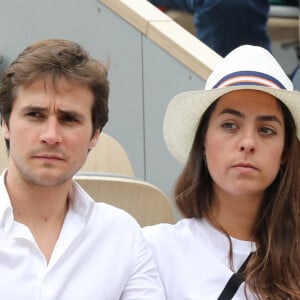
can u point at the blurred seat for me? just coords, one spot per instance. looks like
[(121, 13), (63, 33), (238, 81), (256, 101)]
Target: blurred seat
[(108, 157), (145, 202), (283, 28), (183, 18), (108, 177), (283, 22)]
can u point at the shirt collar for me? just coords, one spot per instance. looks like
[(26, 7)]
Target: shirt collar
[(80, 204), (6, 211)]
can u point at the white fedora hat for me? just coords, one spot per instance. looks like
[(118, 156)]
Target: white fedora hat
[(246, 67)]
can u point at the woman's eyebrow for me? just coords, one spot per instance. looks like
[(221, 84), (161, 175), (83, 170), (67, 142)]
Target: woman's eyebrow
[(268, 118), (258, 118), (232, 112)]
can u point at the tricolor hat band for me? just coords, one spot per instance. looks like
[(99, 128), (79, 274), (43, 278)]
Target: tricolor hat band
[(249, 78)]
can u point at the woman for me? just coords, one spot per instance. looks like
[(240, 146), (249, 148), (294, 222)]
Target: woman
[(239, 189)]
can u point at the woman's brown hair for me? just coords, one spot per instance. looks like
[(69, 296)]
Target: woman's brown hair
[(273, 272)]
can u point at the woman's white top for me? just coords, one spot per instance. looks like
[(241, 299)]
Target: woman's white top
[(192, 258)]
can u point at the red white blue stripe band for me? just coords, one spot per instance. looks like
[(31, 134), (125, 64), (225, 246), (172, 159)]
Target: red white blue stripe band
[(249, 78)]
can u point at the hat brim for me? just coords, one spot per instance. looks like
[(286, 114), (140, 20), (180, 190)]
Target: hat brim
[(186, 109)]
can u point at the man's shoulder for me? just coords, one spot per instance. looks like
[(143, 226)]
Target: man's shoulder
[(113, 215)]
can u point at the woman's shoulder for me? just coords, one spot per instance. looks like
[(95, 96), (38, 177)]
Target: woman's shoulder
[(167, 233)]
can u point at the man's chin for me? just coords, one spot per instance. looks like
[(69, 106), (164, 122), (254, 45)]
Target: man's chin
[(48, 179)]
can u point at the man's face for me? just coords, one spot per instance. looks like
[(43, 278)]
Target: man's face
[(50, 132)]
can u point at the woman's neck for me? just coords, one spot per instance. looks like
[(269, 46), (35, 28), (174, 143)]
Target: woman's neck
[(236, 214)]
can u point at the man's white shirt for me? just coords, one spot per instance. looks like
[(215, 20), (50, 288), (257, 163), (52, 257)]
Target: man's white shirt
[(100, 255)]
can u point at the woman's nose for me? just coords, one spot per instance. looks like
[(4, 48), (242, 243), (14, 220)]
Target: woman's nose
[(247, 143), (247, 148)]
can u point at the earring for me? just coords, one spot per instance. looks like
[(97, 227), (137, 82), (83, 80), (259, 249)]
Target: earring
[(204, 158)]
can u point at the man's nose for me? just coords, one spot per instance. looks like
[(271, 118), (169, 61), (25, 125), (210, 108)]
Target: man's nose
[(51, 133)]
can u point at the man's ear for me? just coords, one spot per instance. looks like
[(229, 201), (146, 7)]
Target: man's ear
[(94, 139), (5, 130)]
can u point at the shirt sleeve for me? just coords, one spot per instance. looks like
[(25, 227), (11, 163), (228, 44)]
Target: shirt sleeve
[(144, 282)]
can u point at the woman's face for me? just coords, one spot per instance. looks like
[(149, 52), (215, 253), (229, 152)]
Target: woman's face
[(244, 143)]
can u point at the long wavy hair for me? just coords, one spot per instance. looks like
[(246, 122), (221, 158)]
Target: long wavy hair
[(273, 271)]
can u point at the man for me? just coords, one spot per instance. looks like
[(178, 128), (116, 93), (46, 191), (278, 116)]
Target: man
[(55, 241)]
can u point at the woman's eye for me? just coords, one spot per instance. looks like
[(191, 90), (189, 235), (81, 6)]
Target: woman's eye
[(229, 125), (267, 131)]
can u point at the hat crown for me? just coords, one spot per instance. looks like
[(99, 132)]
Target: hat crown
[(249, 65)]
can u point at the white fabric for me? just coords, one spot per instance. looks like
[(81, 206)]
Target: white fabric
[(192, 258), (100, 255)]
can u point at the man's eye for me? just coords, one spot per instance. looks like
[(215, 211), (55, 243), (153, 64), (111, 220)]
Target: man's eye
[(35, 114), (69, 119)]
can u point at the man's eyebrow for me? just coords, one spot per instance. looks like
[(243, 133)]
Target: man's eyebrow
[(258, 118), (33, 108), (71, 113)]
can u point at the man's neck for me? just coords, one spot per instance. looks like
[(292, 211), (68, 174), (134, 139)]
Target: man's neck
[(41, 209)]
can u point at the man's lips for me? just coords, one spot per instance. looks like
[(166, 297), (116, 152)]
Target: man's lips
[(48, 156)]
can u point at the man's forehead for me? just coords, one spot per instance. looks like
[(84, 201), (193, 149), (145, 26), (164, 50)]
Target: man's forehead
[(66, 97)]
